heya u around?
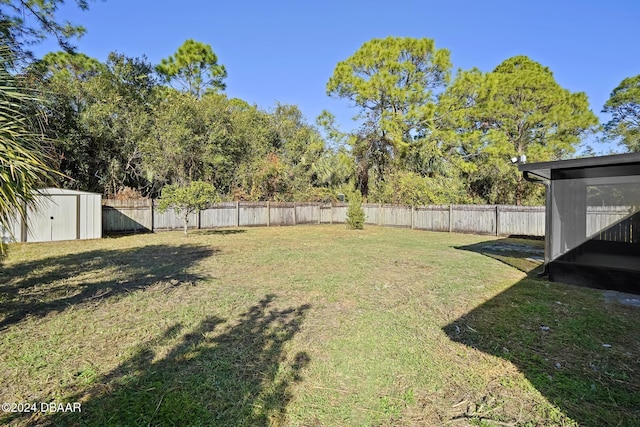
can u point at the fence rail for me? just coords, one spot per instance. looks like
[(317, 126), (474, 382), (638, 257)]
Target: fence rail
[(141, 215)]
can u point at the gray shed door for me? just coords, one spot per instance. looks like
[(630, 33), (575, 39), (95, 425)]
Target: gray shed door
[(55, 218)]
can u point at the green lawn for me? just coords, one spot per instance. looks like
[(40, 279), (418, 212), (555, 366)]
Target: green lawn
[(308, 325)]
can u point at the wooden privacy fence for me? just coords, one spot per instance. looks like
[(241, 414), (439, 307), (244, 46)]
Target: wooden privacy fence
[(141, 215)]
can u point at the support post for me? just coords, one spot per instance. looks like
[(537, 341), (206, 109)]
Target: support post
[(237, 214), (331, 217), (497, 220), (450, 218), (151, 202), (412, 212), (78, 215)]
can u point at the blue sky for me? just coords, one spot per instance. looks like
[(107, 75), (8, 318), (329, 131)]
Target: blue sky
[(285, 51)]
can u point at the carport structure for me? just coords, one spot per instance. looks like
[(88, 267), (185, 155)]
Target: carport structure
[(592, 220)]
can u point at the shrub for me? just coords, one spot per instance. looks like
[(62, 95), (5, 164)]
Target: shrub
[(355, 213)]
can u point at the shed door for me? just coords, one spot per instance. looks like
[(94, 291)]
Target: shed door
[(54, 218)]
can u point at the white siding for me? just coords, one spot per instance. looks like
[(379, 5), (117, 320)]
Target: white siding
[(53, 218), (59, 214), (90, 216)]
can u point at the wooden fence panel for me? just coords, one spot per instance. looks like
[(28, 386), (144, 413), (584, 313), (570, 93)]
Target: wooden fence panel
[(339, 213), (326, 214), (170, 220), (127, 215), (253, 214), (126, 220), (434, 218), (282, 214), (371, 213), (220, 215), (521, 220), (307, 213), (476, 219), (395, 216), (600, 218)]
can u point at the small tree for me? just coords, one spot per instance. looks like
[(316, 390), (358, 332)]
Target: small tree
[(187, 199), (355, 213)]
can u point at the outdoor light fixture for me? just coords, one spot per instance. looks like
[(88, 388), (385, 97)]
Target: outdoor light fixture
[(521, 159)]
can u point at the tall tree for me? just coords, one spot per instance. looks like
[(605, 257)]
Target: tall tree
[(25, 22), (63, 77), (194, 139), (393, 82), (516, 109), (194, 67), (624, 106), (173, 152), (98, 114), (281, 167), (119, 119)]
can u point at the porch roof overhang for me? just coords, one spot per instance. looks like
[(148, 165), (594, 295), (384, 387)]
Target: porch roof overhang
[(588, 167)]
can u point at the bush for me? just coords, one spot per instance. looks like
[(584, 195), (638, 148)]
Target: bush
[(355, 213)]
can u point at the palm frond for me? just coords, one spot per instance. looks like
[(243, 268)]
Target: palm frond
[(24, 163)]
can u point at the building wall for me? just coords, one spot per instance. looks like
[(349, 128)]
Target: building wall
[(59, 215), (90, 216)]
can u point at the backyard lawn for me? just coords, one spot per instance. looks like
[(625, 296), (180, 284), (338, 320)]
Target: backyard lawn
[(308, 326)]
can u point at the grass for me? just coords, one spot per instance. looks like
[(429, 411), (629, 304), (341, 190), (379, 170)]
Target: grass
[(313, 326)]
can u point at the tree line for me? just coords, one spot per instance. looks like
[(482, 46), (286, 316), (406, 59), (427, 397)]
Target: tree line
[(425, 135)]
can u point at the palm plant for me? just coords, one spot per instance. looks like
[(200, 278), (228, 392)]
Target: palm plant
[(24, 164)]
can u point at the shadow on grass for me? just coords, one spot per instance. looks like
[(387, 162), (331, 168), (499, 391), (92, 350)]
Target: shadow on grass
[(36, 288), (223, 232), (233, 373), (578, 351), (526, 255)]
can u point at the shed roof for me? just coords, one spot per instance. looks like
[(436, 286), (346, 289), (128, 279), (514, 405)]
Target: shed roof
[(585, 167), (63, 191)]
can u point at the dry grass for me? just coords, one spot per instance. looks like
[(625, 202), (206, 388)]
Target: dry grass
[(313, 325)]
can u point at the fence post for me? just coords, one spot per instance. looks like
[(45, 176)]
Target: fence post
[(237, 213), (319, 206), (331, 217), (450, 218), (268, 214), (151, 202), (412, 212), (294, 213), (497, 220)]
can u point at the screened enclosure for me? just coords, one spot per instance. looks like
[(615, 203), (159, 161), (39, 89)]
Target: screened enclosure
[(593, 220)]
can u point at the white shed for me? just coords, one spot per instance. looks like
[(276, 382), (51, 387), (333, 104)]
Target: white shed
[(60, 214)]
